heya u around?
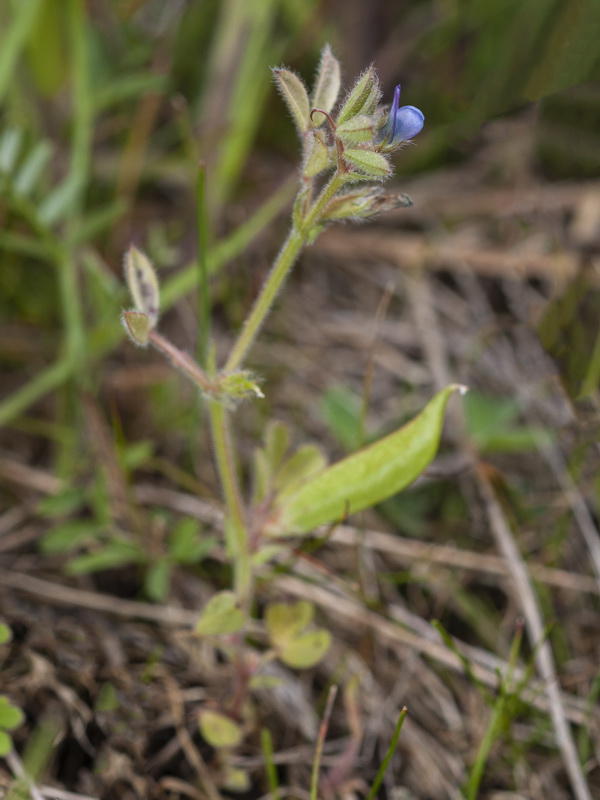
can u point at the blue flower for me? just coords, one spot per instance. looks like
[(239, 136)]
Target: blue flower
[(403, 123)]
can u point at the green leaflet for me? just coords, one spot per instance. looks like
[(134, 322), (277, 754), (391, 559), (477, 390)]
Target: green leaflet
[(366, 477), (327, 84), (221, 615), (295, 96), (218, 729)]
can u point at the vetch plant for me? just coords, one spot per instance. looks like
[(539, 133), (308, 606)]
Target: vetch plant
[(346, 152)]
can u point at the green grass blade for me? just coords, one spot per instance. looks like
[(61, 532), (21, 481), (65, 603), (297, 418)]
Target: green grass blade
[(388, 756), (12, 43)]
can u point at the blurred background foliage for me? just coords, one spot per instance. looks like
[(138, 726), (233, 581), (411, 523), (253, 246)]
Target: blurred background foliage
[(107, 107)]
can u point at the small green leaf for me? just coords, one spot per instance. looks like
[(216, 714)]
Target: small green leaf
[(328, 82), (221, 615), (5, 633), (295, 96), (317, 154), (66, 501), (138, 326), (366, 477), (186, 546), (363, 98), (5, 744), (183, 538), (10, 716), (114, 554), (157, 580), (69, 535), (285, 621), (356, 130), (492, 424), (306, 461), (143, 284), (219, 730), (306, 650), (234, 779), (369, 163)]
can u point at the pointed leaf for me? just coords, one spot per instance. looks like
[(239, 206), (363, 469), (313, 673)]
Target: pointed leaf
[(366, 477), (143, 283), (138, 326), (369, 163), (284, 621), (307, 650), (220, 615), (295, 96), (356, 130), (327, 84), (184, 541), (114, 554), (363, 98), (218, 729), (317, 155), (69, 535)]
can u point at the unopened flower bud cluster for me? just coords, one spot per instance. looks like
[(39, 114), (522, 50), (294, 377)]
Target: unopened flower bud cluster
[(358, 140)]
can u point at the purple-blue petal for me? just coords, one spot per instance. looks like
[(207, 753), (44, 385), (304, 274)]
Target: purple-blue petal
[(407, 122), (394, 109)]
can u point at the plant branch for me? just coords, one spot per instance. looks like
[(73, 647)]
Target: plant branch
[(297, 238), (238, 532)]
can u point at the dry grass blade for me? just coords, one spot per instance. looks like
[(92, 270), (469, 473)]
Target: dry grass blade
[(484, 665), (544, 658), (65, 595), (411, 551)]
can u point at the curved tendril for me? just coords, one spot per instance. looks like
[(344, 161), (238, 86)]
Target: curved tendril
[(326, 115)]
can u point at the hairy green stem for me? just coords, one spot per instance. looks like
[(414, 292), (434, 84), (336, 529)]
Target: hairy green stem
[(284, 262), (337, 181), (238, 538), (296, 240), (182, 361)]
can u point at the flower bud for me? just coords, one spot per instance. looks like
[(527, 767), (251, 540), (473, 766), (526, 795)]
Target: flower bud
[(143, 284)]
